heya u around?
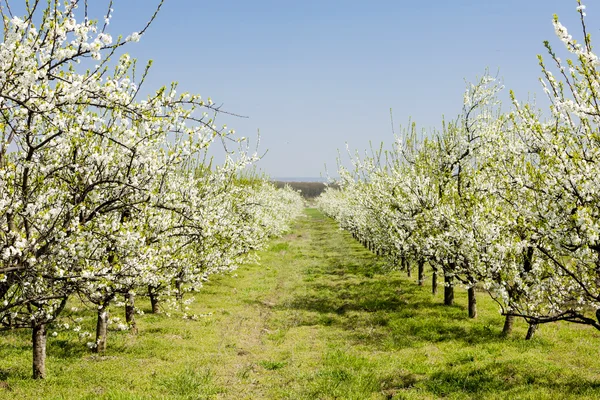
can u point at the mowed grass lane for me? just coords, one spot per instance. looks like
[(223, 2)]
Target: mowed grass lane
[(319, 318)]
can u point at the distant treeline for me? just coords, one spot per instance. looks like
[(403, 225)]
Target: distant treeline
[(309, 190)]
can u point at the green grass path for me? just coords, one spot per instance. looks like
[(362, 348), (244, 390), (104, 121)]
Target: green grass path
[(319, 318)]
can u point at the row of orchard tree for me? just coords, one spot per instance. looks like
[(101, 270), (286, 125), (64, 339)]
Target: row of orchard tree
[(505, 201), (106, 195)]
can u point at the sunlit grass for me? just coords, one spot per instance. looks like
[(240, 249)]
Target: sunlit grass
[(319, 318)]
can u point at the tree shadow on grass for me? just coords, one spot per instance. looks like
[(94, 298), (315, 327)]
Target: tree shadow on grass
[(20, 340), (67, 348), (384, 310), (18, 344), (520, 379), (389, 313), (342, 297), (356, 267)]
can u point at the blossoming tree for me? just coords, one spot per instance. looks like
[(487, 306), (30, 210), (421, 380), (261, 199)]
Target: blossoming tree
[(96, 189)]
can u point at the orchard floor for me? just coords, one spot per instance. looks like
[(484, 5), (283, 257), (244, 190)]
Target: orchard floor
[(319, 318)]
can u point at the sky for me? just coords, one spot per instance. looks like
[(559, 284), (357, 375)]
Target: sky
[(315, 75)]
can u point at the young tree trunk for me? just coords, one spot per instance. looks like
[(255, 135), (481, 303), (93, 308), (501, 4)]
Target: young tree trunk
[(179, 288), (421, 278), (531, 331), (406, 266), (434, 284), (472, 302), (448, 290), (101, 329), (508, 325), (130, 312), (153, 301), (39, 351)]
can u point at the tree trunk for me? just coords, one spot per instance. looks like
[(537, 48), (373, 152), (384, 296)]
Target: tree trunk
[(472, 302), (434, 284), (406, 266), (531, 331), (130, 312), (421, 278), (508, 325), (39, 351), (101, 329), (448, 290), (179, 288), (153, 301)]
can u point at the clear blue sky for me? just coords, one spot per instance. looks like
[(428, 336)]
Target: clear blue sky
[(313, 75)]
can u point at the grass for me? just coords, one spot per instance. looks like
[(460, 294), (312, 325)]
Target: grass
[(319, 318)]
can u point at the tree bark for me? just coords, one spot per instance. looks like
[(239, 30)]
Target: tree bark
[(130, 312), (448, 290), (434, 284), (39, 351), (421, 277), (406, 265), (472, 302), (508, 325), (154, 301), (531, 331), (101, 330), (179, 288)]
